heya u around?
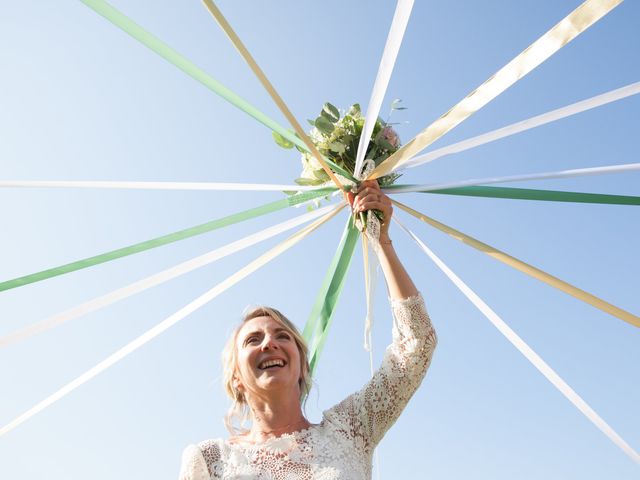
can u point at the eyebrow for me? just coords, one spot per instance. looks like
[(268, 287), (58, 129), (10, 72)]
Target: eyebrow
[(258, 332)]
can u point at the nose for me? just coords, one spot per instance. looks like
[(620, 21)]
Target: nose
[(269, 343)]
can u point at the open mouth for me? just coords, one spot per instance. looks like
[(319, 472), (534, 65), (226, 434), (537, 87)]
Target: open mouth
[(269, 364)]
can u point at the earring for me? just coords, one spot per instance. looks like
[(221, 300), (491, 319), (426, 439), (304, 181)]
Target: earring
[(237, 385)]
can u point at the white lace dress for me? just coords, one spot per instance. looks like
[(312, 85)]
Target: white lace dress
[(341, 445)]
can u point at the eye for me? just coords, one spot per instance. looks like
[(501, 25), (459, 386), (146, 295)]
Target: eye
[(252, 340), (284, 335)]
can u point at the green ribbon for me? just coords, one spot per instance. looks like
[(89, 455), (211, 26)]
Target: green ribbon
[(317, 326), (165, 51), (165, 239), (531, 194)]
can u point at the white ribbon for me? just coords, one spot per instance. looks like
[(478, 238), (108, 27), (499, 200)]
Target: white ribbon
[(159, 278), (370, 261), (252, 187), (578, 172), (552, 116), (168, 322), (371, 264), (529, 353), (391, 48)]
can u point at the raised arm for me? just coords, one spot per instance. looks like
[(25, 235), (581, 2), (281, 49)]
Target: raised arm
[(399, 284), (370, 412)]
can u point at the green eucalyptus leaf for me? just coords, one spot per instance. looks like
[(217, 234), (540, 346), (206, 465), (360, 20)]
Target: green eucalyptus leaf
[(308, 181), (324, 125), (321, 175), (382, 142), (326, 116), (301, 149), (281, 141), (311, 122), (337, 147), (332, 113)]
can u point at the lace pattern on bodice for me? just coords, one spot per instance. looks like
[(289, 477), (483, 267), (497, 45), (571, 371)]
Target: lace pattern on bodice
[(341, 446)]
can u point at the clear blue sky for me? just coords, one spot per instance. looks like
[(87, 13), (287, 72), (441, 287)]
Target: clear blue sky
[(80, 100)]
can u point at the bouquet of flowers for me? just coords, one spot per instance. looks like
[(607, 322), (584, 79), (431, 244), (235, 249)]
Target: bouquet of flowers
[(337, 138)]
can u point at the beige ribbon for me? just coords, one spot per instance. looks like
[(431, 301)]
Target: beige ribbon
[(217, 14), (526, 268), (566, 30)]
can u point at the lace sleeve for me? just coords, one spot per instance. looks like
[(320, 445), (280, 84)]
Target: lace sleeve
[(194, 466), (370, 412)]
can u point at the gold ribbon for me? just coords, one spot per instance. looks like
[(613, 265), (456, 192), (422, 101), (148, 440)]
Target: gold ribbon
[(562, 33), (526, 268), (217, 14)]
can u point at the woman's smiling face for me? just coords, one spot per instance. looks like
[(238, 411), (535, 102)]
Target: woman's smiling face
[(268, 357)]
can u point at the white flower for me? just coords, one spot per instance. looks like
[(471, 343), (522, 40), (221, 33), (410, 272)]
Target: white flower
[(315, 135)]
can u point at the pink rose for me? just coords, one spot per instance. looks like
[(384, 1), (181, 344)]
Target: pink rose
[(391, 136)]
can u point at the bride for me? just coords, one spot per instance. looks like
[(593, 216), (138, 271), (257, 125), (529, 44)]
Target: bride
[(267, 376)]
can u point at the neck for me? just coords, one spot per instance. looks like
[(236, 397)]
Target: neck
[(273, 417)]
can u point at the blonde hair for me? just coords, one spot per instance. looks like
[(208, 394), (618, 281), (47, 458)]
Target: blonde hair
[(239, 410)]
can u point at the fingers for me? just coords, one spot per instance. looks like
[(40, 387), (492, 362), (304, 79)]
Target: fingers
[(373, 199), (371, 184), (368, 198), (350, 198), (368, 191), (365, 205)]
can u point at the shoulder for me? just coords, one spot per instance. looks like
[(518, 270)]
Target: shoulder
[(210, 450), (194, 466), (201, 461)]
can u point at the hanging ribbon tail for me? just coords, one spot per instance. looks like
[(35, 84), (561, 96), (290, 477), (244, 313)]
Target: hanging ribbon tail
[(170, 321), (164, 240), (367, 293), (557, 37), (169, 54), (526, 268), (529, 353), (531, 194), (317, 327), (370, 263)]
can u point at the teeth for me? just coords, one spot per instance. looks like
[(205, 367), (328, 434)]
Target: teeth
[(271, 363)]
